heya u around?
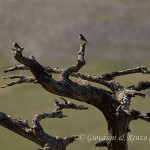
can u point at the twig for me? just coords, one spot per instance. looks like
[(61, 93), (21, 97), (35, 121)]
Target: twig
[(56, 113), (138, 115), (37, 118), (15, 67), (68, 105), (112, 75), (22, 79)]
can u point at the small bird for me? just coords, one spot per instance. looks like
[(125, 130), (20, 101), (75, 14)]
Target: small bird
[(17, 46), (81, 37)]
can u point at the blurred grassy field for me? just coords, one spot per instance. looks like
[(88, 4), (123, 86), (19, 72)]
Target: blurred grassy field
[(26, 100), (118, 32)]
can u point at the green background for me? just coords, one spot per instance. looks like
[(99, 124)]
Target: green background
[(118, 33)]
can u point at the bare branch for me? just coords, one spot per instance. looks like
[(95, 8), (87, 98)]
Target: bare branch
[(73, 71), (15, 67), (112, 75), (18, 127), (37, 136), (37, 118), (138, 115), (90, 78), (22, 79), (101, 143), (59, 71), (36, 133), (143, 85), (56, 113), (67, 140), (114, 105), (67, 88), (68, 105), (75, 68), (105, 79)]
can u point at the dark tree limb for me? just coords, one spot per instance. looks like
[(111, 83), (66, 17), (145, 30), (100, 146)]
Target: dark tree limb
[(138, 115), (57, 113), (67, 88), (112, 75), (36, 133), (114, 104), (104, 79), (68, 105), (143, 85), (22, 79), (101, 143), (90, 78), (37, 118), (75, 68), (15, 67)]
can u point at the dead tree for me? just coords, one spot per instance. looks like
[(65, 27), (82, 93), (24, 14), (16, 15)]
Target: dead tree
[(113, 103)]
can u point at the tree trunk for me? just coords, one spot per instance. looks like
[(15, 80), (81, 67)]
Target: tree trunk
[(117, 132)]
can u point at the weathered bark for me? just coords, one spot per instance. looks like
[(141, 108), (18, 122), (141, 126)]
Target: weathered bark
[(114, 104), (36, 133)]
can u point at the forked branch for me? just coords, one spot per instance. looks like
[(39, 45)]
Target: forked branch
[(116, 101), (112, 75), (63, 87), (75, 68), (68, 105), (36, 133), (91, 78), (57, 113)]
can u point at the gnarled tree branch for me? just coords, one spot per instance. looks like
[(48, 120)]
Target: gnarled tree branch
[(75, 68), (15, 67), (65, 88), (95, 79), (138, 115), (114, 104), (22, 79), (36, 133), (112, 75)]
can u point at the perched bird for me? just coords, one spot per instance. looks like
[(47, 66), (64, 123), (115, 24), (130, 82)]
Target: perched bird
[(81, 37), (17, 46)]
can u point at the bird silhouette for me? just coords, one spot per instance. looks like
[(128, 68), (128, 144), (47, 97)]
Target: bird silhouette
[(15, 45), (81, 37)]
